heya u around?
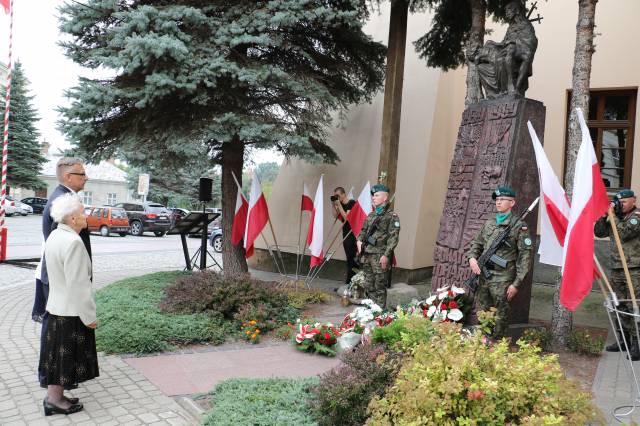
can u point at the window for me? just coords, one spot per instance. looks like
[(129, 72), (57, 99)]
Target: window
[(96, 212), (87, 197), (611, 123), (111, 198)]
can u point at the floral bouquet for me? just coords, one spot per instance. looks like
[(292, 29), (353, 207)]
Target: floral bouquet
[(355, 289), (319, 338), (446, 305), (361, 316)]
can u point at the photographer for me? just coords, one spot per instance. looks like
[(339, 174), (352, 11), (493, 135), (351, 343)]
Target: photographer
[(341, 206), (627, 217)]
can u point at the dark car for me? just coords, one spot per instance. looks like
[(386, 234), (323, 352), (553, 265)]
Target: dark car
[(36, 203), (147, 217), (177, 214)]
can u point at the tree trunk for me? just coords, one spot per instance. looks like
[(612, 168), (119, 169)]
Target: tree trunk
[(233, 259), (561, 320), (475, 42)]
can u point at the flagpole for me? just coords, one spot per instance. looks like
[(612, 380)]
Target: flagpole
[(299, 234), (5, 144), (271, 252), (284, 271), (623, 259)]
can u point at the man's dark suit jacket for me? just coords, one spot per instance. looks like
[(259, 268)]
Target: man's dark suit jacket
[(48, 225)]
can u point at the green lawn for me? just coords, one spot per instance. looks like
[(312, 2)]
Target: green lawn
[(129, 320), (260, 402)]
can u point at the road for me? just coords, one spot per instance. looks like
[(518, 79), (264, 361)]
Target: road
[(114, 257)]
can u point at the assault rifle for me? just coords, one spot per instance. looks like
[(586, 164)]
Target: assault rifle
[(489, 258)]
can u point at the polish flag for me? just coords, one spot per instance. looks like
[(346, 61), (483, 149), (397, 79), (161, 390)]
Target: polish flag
[(350, 194), (554, 209), (6, 4), (588, 204), (257, 217), (239, 218), (360, 210), (307, 203), (314, 236)]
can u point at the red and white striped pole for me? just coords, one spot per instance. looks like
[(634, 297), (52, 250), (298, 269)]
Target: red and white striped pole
[(5, 145)]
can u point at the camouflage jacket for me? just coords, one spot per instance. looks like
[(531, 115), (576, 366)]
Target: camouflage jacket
[(629, 231), (516, 251), (386, 234)]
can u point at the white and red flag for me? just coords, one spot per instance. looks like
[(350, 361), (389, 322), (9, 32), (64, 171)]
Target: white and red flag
[(350, 194), (257, 217), (360, 210), (316, 224), (6, 4), (555, 208), (588, 203), (307, 203), (239, 217)]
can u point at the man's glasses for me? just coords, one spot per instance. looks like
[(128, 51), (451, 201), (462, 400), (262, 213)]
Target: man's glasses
[(78, 174)]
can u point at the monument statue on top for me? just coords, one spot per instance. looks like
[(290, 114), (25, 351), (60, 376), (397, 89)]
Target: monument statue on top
[(504, 68)]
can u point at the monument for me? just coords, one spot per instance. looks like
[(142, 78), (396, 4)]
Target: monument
[(493, 148)]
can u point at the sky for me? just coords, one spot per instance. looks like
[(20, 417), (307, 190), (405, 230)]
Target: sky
[(35, 38)]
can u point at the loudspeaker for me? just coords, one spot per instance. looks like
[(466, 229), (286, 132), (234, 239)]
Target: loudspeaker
[(206, 185)]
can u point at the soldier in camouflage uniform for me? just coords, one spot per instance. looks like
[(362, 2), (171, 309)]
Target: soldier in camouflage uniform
[(628, 224), (376, 242), (502, 287)]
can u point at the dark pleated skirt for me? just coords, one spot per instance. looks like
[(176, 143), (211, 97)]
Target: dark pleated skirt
[(67, 353)]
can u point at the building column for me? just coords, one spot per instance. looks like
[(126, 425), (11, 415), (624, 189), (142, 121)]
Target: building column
[(391, 114)]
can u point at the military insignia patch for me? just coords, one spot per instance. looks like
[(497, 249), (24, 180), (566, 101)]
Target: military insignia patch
[(633, 221), (397, 224), (527, 241)]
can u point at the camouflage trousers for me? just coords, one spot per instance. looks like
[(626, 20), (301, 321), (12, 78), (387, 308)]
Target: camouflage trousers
[(375, 284), (619, 284), (494, 295)]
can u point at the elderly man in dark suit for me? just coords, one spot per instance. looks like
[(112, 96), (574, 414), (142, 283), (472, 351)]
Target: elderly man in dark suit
[(72, 178)]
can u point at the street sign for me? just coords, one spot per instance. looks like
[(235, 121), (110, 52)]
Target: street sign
[(143, 184)]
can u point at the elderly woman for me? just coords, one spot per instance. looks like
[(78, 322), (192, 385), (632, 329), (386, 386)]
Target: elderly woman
[(68, 356)]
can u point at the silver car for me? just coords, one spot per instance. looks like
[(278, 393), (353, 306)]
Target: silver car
[(10, 207)]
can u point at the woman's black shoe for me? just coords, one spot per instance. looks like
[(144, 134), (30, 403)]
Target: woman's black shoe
[(50, 409), (71, 400)]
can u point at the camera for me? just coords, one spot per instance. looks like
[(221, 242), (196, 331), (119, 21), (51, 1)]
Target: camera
[(617, 208), (333, 198)]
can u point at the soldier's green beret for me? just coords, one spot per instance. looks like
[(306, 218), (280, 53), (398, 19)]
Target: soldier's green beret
[(625, 193), (503, 191), (378, 187)]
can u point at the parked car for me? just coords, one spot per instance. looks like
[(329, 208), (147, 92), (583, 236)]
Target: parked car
[(108, 219), (147, 217), (23, 209), (215, 240), (10, 207), (36, 203)]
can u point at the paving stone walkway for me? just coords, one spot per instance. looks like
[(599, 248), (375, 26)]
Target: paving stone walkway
[(120, 396)]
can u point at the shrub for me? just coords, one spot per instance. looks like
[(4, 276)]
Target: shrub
[(260, 402), (404, 333), (299, 298), (461, 381), (210, 293), (583, 343), (540, 337), (343, 394), (286, 331), (130, 321)]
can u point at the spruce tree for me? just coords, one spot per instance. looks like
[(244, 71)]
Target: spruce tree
[(220, 76), (25, 159)]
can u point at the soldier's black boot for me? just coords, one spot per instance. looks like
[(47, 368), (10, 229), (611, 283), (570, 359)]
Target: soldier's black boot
[(614, 346), (634, 350)]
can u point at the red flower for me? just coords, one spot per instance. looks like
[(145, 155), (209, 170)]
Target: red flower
[(451, 293), (443, 307), (453, 304), (327, 336)]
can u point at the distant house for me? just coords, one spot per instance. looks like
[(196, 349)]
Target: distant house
[(107, 183)]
